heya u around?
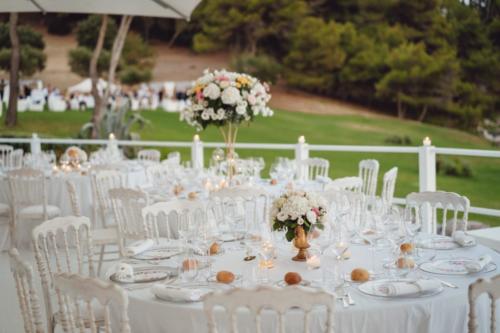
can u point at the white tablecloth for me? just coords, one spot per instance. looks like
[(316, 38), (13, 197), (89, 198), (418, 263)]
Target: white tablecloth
[(446, 312)]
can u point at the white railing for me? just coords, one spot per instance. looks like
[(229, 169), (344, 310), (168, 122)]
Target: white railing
[(426, 154)]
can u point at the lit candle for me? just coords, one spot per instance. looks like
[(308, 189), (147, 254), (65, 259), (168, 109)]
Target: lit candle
[(302, 139), (55, 168), (196, 138), (111, 136), (313, 262), (427, 141)]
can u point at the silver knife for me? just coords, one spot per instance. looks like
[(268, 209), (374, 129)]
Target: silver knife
[(447, 284)]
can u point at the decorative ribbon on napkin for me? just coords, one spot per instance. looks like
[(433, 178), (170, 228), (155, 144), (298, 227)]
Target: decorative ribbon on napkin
[(478, 265), (178, 294), (138, 247), (399, 288)]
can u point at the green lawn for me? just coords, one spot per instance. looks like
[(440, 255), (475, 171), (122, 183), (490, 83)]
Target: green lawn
[(483, 188)]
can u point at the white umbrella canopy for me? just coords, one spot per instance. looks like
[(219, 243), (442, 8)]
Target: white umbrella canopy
[(181, 9)]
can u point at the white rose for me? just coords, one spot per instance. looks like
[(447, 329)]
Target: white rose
[(300, 221), (205, 115), (211, 91), (230, 96), (241, 109), (224, 84), (281, 216), (311, 217)]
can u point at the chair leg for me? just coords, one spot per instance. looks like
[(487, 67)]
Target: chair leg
[(12, 231), (101, 259)]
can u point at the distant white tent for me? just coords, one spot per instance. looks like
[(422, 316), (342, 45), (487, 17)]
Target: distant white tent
[(85, 87), (180, 9)]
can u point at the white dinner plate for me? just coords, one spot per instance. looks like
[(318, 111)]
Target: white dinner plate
[(373, 288), (303, 283), (453, 267), (160, 253), (146, 275), (438, 243)]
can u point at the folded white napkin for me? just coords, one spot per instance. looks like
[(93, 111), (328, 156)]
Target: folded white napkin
[(138, 247), (178, 294), (399, 288), (462, 239), (478, 265)]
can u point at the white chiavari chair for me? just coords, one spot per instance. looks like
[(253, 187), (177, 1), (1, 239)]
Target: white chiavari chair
[(345, 183), (100, 236), (264, 300), (242, 208), (490, 287), (426, 205), (315, 167), (5, 226), (173, 158), (102, 182), (29, 198), (164, 219), (16, 159), (388, 186), (152, 155), (348, 208), (127, 208), (63, 244), (29, 301), (77, 295), (368, 172)]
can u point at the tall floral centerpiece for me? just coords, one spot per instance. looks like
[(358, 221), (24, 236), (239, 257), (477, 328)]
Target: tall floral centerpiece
[(297, 213), (226, 100)]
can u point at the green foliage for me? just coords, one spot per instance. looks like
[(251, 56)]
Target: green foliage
[(403, 140), (32, 45), (263, 67), (79, 61), (454, 167), (87, 32), (134, 75), (247, 25)]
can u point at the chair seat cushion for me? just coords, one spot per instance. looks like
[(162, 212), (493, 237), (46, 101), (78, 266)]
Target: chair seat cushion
[(36, 212), (105, 236), (4, 209)]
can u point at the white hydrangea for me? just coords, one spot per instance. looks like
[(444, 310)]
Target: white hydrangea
[(212, 91), (230, 96)]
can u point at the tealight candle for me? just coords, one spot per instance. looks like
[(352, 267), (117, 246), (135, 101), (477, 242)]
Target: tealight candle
[(302, 139), (427, 141), (196, 138), (111, 136), (313, 262)]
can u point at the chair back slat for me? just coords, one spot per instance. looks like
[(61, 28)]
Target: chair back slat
[(75, 289), (29, 302), (389, 186), (490, 287), (152, 155), (315, 167), (368, 172)]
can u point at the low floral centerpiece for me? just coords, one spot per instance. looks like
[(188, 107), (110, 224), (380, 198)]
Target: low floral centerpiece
[(74, 156), (226, 100), (297, 213)]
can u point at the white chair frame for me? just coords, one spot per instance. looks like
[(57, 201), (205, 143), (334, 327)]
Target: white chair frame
[(75, 292), (152, 155), (345, 183), (315, 167), (51, 257), (389, 186), (127, 208), (420, 202), (368, 172), (257, 300), (490, 287), (5, 155), (26, 293)]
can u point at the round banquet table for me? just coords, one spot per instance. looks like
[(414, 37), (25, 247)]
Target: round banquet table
[(444, 312)]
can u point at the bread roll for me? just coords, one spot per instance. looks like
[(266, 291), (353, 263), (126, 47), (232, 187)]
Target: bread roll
[(225, 277), (292, 278), (192, 195), (406, 247), (214, 249), (274, 181), (360, 275)]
